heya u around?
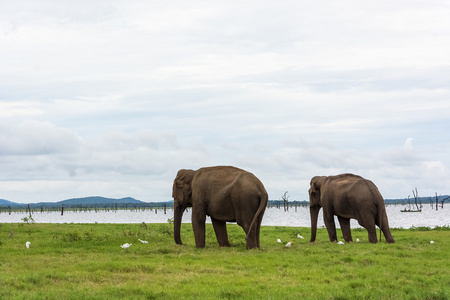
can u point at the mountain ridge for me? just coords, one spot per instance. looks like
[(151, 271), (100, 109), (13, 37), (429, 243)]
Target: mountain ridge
[(91, 200)]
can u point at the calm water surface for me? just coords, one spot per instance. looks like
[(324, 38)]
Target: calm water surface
[(273, 217)]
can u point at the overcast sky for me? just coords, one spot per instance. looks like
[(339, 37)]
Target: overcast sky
[(112, 98)]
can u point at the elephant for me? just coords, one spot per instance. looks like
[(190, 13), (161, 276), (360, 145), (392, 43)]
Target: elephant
[(226, 194), (348, 196)]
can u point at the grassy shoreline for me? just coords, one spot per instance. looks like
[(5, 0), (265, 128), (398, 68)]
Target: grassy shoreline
[(85, 261)]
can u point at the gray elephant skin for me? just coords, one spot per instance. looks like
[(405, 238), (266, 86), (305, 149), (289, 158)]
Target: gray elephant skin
[(348, 196), (226, 194)]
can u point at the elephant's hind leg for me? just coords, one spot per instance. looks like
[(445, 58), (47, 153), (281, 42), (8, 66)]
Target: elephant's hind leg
[(385, 229), (220, 228), (345, 227), (251, 237), (372, 234), (258, 229)]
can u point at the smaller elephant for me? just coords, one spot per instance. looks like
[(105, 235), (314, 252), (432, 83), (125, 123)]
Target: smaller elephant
[(226, 194), (348, 196)]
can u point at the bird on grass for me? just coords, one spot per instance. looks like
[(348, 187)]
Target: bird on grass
[(125, 246), (299, 236), (143, 242), (431, 242), (288, 244), (340, 243), (357, 240), (278, 241), (27, 244)]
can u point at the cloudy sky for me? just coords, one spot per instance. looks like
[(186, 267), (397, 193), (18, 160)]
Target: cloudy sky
[(112, 98)]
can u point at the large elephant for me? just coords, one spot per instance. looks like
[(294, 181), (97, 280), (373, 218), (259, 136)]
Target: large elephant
[(347, 196), (226, 194)]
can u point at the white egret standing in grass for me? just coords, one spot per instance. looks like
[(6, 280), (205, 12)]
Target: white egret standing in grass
[(278, 241), (432, 242), (27, 244), (299, 236), (288, 244), (143, 242), (125, 246), (340, 243)]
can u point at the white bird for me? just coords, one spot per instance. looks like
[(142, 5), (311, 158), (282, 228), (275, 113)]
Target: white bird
[(125, 246), (431, 242), (299, 236), (278, 241), (288, 244), (357, 240), (143, 242), (27, 244), (340, 243)]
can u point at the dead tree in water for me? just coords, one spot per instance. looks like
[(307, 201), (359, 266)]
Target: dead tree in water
[(416, 197), (437, 201), (285, 201)]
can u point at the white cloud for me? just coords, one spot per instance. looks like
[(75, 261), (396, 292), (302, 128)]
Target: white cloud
[(36, 138), (409, 144), (112, 99)]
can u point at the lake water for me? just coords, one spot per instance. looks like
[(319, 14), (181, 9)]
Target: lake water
[(299, 217)]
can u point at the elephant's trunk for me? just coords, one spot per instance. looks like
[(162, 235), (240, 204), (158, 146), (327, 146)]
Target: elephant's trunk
[(314, 211), (177, 214)]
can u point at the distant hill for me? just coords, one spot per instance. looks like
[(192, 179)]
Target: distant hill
[(77, 202), (99, 200), (4, 202)]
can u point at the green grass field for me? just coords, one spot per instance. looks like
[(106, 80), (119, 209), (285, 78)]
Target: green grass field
[(85, 261)]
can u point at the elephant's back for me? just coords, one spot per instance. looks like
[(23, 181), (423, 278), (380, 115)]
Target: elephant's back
[(219, 171), (225, 174), (346, 183)]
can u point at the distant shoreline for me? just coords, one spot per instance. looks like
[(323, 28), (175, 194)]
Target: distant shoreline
[(97, 202)]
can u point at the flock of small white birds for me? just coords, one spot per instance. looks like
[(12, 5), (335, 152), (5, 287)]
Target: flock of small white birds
[(289, 244), (124, 246), (127, 245)]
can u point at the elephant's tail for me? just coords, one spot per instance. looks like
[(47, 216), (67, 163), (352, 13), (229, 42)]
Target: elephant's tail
[(381, 214), (380, 218), (264, 199)]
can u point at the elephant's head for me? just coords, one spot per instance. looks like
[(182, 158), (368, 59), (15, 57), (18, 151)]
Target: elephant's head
[(315, 202), (182, 196)]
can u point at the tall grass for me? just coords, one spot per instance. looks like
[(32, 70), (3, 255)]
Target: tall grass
[(85, 261)]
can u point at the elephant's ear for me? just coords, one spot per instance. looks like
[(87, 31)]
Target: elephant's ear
[(316, 184), (177, 190), (313, 188), (182, 187), (314, 193), (179, 182)]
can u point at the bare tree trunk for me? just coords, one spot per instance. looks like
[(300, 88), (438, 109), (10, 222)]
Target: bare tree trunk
[(437, 201)]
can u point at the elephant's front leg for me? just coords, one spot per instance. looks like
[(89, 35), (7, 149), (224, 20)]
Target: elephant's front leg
[(198, 225), (220, 228), (328, 219), (345, 227)]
